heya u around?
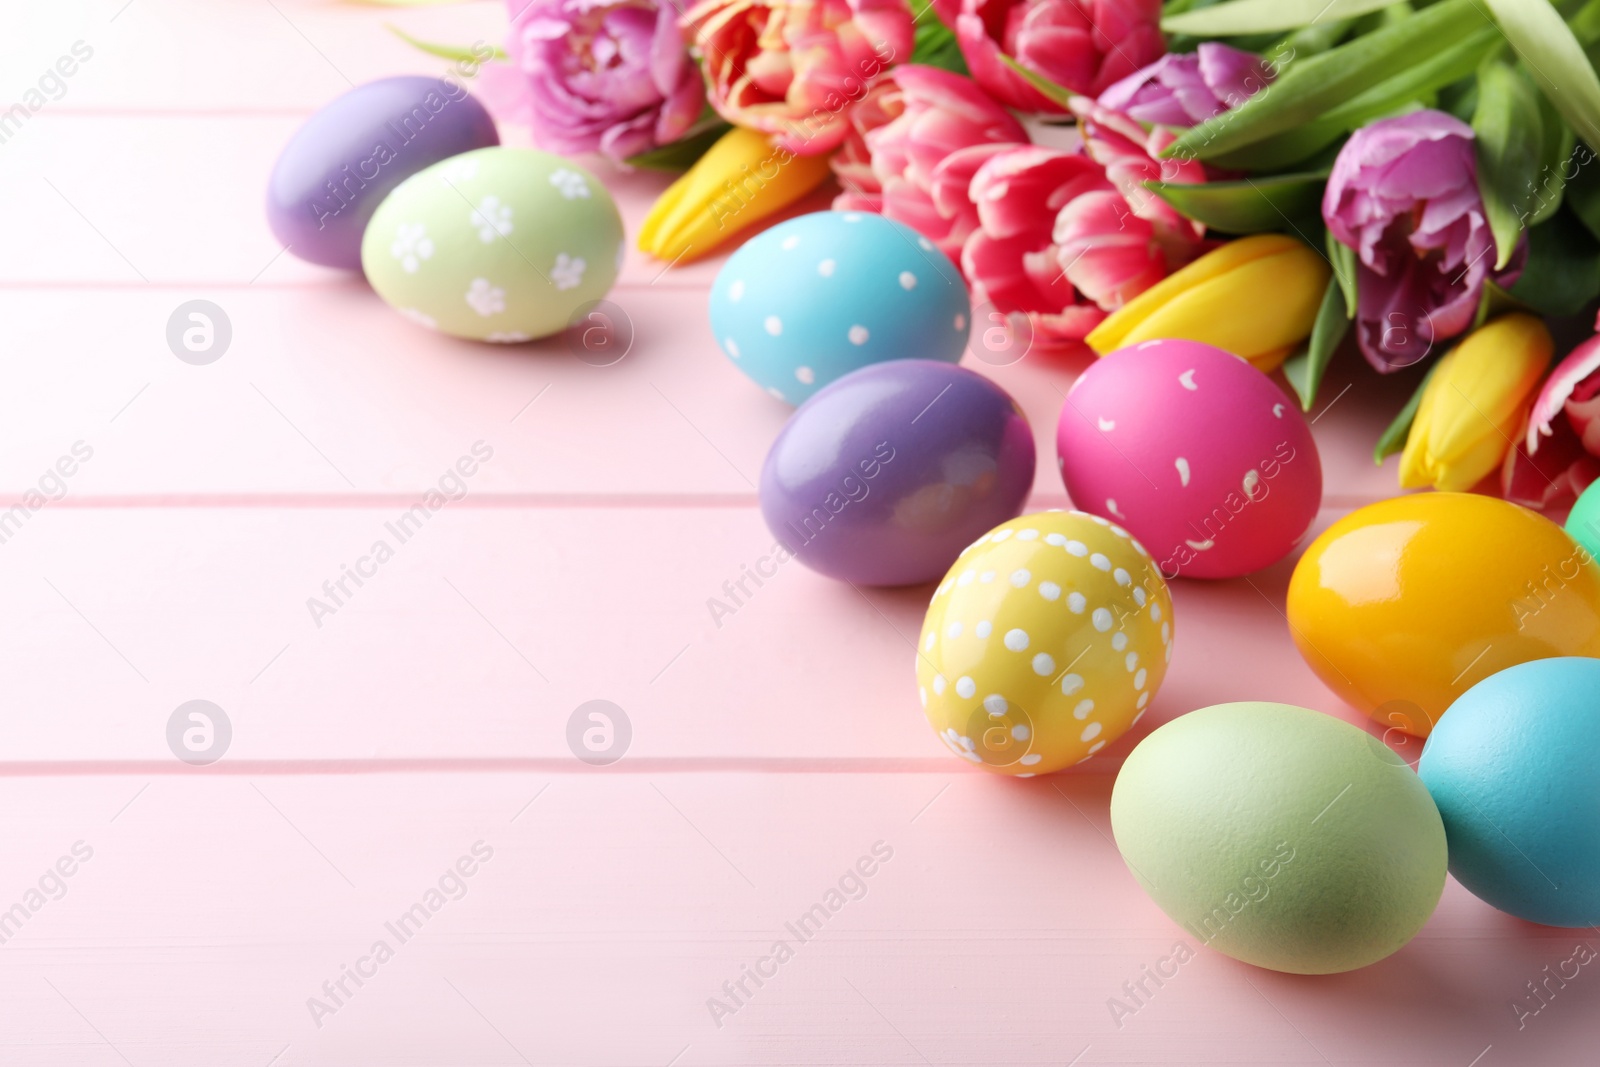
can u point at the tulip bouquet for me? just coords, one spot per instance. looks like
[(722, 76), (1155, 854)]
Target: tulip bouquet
[(1286, 179)]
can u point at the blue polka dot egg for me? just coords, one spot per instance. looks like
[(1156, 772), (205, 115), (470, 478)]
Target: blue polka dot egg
[(818, 296)]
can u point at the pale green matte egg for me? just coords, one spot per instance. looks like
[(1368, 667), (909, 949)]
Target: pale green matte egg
[(498, 244), (1280, 836)]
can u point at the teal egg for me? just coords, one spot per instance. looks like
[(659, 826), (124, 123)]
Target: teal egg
[(498, 244), (1511, 765), (1583, 521), (1280, 836), (814, 298)]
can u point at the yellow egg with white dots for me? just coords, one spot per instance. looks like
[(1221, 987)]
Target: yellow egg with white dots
[(1046, 640)]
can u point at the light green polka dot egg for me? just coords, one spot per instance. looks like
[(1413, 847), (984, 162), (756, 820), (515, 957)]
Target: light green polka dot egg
[(499, 244), (1044, 643)]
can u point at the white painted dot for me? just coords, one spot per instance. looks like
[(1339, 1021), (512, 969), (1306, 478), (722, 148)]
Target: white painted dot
[(927, 645), (1099, 562), (1090, 732), (908, 281), (825, 268), (984, 628), (1096, 747), (775, 391), (1119, 640), (1083, 709), (1102, 619), (1140, 678), (1131, 660), (1016, 640), (927, 245), (1071, 684), (852, 217), (858, 334), (995, 704), (792, 241), (1119, 531), (1024, 774), (1044, 665), (953, 631), (938, 685), (1001, 535), (1028, 761), (1144, 698), (986, 577), (1155, 612), (1020, 732), (774, 325), (805, 375), (960, 322), (732, 347), (966, 688), (1139, 596), (967, 577), (1030, 534), (736, 291), (1021, 577), (1055, 539), (1140, 549), (1166, 633), (1050, 590), (1122, 576), (1077, 548), (1076, 602), (922, 692)]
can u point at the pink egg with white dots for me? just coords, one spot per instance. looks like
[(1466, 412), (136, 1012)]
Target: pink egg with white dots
[(1196, 452)]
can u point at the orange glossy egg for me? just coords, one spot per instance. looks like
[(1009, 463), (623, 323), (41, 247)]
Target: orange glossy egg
[(1404, 605)]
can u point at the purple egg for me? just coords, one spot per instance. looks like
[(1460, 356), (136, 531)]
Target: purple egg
[(886, 474), (337, 167)]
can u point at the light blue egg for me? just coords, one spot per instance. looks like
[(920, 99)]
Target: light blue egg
[(814, 298), (1511, 766)]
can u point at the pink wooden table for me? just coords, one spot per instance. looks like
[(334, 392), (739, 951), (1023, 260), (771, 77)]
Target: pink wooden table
[(422, 729)]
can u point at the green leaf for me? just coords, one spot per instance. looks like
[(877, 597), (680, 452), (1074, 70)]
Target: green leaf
[(682, 153), (1252, 205), (1583, 188), (1393, 439), (1508, 141), (1306, 369), (1343, 258), (1558, 142), (455, 53), (1262, 16), (1310, 88), (1056, 94), (934, 43), (1496, 301), (1555, 59), (1563, 269)]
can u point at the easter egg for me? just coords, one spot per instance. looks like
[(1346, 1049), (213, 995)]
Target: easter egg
[(1583, 521), (812, 299), (501, 244), (884, 476), (1402, 606), (1511, 766), (1280, 836), (1044, 643), (346, 158), (1193, 450)]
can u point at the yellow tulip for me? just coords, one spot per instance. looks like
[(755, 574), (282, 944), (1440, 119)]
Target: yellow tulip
[(1256, 297), (742, 179), (1474, 404)]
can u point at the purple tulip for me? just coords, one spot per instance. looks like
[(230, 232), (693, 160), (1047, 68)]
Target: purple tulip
[(1404, 195), (1185, 89), (609, 76)]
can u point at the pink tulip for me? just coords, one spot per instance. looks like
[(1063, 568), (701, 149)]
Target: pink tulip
[(794, 68), (1559, 454), (907, 154), (1082, 45), (1187, 89), (1131, 156)]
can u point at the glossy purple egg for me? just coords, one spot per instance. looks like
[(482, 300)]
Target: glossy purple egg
[(347, 157), (883, 476)]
